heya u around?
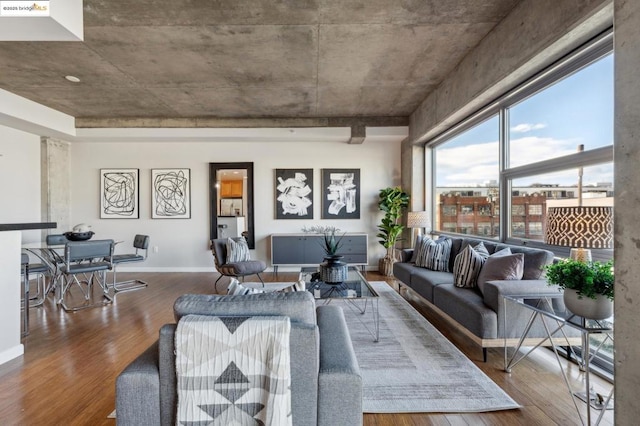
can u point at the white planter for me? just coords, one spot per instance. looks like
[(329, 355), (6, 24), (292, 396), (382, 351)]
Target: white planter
[(597, 309)]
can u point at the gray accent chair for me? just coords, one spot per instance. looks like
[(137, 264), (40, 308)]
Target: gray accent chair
[(234, 269), (326, 385)]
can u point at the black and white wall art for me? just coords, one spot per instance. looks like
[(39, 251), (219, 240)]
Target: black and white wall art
[(294, 193), (119, 193), (341, 193), (171, 193)]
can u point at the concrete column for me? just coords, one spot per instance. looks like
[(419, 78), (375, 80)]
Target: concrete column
[(627, 211), (413, 181), (55, 175)]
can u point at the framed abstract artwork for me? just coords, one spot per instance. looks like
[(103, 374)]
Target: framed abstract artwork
[(294, 193), (170, 193), (340, 193), (119, 193)]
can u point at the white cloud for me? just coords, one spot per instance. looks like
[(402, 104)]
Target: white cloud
[(474, 165), (467, 165), (527, 127), (531, 149)]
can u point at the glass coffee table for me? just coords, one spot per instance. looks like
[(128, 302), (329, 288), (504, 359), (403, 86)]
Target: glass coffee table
[(355, 291)]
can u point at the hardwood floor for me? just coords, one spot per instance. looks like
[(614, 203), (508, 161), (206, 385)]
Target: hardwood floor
[(67, 374)]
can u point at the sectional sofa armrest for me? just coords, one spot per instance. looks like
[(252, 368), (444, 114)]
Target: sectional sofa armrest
[(495, 290), (513, 325), (339, 380), (404, 255), (138, 390)]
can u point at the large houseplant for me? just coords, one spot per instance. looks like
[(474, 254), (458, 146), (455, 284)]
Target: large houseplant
[(588, 286), (392, 201)]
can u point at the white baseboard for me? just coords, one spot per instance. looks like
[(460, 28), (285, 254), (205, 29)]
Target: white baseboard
[(11, 353)]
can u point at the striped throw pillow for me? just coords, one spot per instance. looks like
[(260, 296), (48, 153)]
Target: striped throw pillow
[(468, 264), (237, 250), (434, 255)]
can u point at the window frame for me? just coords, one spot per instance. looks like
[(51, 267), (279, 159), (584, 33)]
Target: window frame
[(590, 52)]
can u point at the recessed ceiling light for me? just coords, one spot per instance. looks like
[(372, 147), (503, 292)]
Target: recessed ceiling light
[(72, 78)]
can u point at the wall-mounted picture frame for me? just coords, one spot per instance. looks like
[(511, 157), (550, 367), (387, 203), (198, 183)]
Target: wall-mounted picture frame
[(119, 193), (294, 193), (340, 193), (170, 193)]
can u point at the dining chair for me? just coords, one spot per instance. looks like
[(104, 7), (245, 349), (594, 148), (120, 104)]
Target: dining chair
[(141, 244), (43, 271), (84, 263), (54, 253)]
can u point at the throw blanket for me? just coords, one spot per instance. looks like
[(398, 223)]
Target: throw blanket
[(233, 370)]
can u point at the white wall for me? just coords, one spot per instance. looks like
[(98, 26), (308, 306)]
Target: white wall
[(183, 243), (20, 179)]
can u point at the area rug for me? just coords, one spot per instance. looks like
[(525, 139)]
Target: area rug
[(414, 368)]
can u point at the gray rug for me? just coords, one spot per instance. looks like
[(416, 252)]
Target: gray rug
[(414, 368)]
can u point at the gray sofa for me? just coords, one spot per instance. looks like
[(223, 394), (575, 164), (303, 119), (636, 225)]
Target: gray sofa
[(326, 386), (479, 315)]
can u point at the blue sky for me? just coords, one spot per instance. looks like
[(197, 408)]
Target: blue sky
[(576, 110)]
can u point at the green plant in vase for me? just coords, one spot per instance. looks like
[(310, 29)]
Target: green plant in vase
[(331, 238), (392, 201), (588, 286), (332, 270)]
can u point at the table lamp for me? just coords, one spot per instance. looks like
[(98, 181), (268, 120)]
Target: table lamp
[(581, 228), (417, 221)]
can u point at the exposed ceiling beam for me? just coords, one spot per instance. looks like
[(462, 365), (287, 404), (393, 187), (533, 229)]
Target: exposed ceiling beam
[(214, 122)]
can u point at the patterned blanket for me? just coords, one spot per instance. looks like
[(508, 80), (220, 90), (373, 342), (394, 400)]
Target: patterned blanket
[(233, 370)]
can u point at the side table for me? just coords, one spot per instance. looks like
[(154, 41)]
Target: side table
[(558, 322)]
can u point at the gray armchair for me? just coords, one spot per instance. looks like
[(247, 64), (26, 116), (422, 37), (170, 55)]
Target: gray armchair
[(234, 269), (326, 386)]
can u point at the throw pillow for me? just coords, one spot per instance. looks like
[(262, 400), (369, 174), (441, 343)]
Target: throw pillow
[(501, 267), (416, 247), (237, 250), (434, 255), (237, 289), (467, 265)]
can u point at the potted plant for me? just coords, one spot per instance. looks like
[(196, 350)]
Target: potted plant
[(588, 286), (333, 270), (392, 201)]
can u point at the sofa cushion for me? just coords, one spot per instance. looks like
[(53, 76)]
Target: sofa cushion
[(423, 281), (434, 255), (534, 260), (502, 265), (466, 306), (468, 264), (402, 271)]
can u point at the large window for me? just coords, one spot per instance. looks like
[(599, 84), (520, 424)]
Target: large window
[(547, 143), (467, 181)]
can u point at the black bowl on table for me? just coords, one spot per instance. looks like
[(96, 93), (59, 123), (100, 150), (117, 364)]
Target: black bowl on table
[(78, 236)]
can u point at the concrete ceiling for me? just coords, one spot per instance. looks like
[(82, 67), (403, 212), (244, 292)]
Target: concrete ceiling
[(230, 59)]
